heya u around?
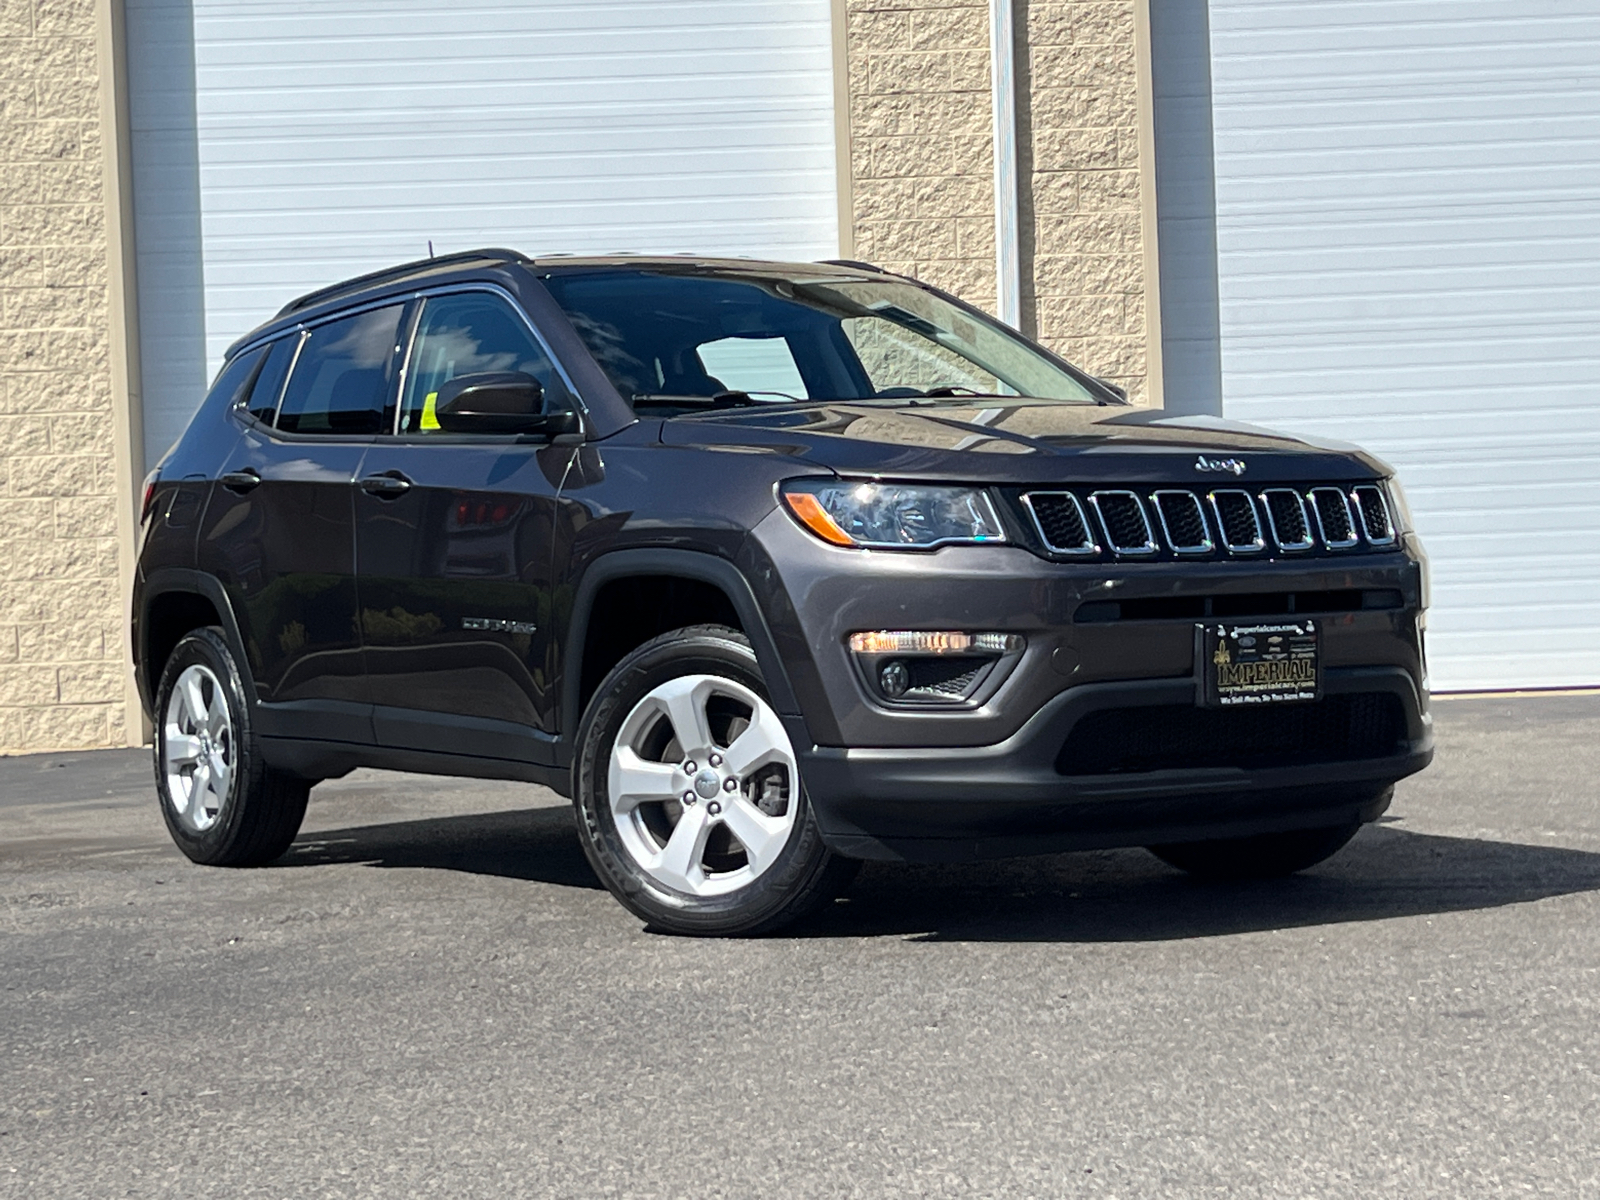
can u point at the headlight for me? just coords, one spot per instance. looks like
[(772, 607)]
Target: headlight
[(893, 516)]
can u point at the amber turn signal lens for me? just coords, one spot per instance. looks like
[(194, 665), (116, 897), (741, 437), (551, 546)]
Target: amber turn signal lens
[(810, 513), (916, 641), (883, 641)]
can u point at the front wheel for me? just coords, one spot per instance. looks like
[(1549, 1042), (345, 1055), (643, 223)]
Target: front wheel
[(1266, 856), (688, 792)]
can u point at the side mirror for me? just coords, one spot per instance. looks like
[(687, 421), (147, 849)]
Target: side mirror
[(498, 402)]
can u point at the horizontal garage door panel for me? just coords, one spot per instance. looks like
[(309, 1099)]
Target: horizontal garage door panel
[(331, 137), (1408, 234)]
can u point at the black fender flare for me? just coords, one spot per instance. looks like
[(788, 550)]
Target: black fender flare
[(684, 564), (164, 582)]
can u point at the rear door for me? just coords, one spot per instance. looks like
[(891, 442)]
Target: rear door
[(454, 548), (279, 531)]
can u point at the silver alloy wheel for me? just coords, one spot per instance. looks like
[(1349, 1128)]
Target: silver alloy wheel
[(703, 785), (198, 748)]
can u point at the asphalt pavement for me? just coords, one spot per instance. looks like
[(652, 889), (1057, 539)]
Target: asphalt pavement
[(430, 995)]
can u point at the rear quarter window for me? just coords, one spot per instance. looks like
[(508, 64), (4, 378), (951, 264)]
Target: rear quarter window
[(267, 387)]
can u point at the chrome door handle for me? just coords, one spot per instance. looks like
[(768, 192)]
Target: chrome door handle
[(386, 487), (240, 481)]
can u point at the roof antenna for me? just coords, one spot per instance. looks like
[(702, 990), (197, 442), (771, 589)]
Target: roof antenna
[(430, 247)]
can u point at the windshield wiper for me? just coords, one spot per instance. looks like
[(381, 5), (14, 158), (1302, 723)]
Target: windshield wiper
[(731, 398)]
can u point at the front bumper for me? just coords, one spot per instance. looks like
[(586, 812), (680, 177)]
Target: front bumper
[(985, 782), (944, 804)]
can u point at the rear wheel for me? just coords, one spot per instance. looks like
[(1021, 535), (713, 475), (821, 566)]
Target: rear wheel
[(222, 804), (688, 792), (1266, 856)]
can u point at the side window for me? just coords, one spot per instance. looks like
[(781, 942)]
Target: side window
[(762, 366), (233, 381), (465, 334), (340, 382), (268, 385)]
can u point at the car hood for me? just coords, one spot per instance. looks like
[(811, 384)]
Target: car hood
[(1022, 441)]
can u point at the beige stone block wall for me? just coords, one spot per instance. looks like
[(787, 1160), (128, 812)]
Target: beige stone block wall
[(921, 132), (921, 154), (62, 629), (1087, 208)]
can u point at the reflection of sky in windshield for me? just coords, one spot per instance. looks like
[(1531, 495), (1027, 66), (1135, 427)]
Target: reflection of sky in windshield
[(651, 331)]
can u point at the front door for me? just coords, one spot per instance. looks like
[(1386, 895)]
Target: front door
[(279, 530), (454, 550)]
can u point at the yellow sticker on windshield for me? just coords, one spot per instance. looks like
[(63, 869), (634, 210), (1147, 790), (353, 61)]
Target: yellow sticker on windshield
[(430, 419)]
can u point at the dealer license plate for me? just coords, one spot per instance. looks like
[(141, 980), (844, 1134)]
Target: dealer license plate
[(1259, 662)]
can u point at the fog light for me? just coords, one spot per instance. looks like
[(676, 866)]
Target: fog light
[(931, 667), (894, 679)]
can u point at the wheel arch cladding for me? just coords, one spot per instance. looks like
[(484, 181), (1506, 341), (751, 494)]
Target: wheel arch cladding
[(168, 618), (176, 602), (630, 596)]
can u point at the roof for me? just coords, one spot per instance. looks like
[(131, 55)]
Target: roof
[(497, 256), (396, 278), (396, 274)]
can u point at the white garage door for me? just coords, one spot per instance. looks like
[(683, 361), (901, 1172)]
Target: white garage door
[(1408, 247), (280, 145)]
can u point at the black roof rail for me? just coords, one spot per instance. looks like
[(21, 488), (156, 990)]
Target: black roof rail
[(398, 272), (853, 262)]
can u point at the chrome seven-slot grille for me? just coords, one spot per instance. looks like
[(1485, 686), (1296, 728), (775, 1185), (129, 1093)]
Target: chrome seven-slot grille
[(1226, 520)]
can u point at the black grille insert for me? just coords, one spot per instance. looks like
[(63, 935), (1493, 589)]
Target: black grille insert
[(949, 676), (1333, 518), (1236, 515), (1118, 741), (1287, 514), (1178, 522), (1061, 523), (1183, 522), (1127, 528), (1238, 604), (1374, 515)]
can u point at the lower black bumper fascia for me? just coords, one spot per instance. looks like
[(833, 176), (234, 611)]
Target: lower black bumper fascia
[(964, 803)]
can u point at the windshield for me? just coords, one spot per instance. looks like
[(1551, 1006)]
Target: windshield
[(689, 341)]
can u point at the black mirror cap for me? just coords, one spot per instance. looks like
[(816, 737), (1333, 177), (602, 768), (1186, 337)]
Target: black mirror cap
[(498, 402)]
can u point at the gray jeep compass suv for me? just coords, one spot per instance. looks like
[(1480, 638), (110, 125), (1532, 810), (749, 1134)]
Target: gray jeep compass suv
[(771, 568)]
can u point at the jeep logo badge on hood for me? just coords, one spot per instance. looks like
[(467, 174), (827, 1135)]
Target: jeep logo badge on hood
[(1215, 466)]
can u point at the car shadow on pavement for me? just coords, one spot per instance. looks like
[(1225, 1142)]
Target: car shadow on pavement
[(539, 845), (1096, 896), (1129, 896)]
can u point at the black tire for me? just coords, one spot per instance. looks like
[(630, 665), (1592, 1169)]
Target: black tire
[(1266, 856), (802, 876), (260, 809)]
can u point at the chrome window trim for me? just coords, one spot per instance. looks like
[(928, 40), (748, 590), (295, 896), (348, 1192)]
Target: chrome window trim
[(355, 310), (408, 338), (1206, 545), (1151, 546), (242, 408), (283, 388), (1388, 514), (1272, 522), (1088, 547), (1252, 547), (1351, 516), (421, 294)]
